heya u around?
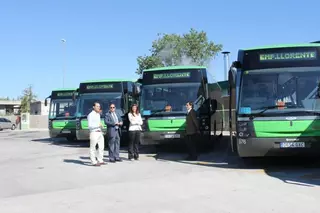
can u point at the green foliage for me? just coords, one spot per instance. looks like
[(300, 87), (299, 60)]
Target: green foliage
[(192, 48), (27, 98), (147, 62)]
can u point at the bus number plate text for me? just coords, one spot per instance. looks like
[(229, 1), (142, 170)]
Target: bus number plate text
[(172, 136), (292, 145)]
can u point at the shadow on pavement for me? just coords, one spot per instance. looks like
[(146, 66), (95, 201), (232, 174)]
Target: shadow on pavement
[(85, 163), (302, 171), (62, 142)]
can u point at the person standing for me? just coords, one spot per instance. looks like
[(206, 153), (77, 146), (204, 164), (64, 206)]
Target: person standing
[(134, 132), (114, 122), (96, 136), (192, 132)]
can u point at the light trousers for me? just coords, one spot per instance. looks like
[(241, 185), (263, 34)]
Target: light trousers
[(96, 138)]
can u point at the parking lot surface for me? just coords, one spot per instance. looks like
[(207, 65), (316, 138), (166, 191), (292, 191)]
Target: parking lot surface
[(41, 175)]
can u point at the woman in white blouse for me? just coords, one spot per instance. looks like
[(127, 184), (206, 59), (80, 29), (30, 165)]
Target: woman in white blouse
[(134, 132)]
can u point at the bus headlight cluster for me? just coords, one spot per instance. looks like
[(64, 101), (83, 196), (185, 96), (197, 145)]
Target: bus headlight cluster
[(50, 124), (78, 124), (243, 128)]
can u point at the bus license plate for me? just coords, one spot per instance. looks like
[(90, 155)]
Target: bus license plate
[(292, 145), (66, 131), (172, 136)]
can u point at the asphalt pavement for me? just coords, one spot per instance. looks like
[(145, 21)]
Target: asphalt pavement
[(40, 175)]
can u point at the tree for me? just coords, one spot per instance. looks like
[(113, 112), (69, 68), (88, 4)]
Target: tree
[(192, 48), (27, 98), (5, 99)]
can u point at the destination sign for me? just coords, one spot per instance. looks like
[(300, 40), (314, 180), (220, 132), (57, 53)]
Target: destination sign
[(279, 58), (68, 94), (99, 86), (171, 75), (93, 87), (311, 55), (63, 94)]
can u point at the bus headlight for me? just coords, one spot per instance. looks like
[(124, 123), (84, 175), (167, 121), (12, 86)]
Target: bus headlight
[(242, 126), (206, 127), (50, 124)]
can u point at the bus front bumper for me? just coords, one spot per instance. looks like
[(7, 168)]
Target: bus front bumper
[(154, 138), (84, 134), (62, 133), (260, 147)]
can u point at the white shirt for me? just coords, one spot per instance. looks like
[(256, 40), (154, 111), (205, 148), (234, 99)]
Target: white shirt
[(135, 122), (189, 110), (94, 121)]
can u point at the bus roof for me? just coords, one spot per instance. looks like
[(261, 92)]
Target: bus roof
[(174, 68), (109, 80), (284, 46), (64, 89)]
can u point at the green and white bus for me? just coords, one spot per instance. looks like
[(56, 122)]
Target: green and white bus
[(277, 100), (164, 94), (62, 123), (123, 93)]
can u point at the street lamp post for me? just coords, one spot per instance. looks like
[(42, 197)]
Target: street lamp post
[(63, 42)]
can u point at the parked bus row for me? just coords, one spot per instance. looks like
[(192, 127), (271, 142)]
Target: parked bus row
[(268, 106)]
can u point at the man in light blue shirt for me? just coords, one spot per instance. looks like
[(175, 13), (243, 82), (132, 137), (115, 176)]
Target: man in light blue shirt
[(96, 136)]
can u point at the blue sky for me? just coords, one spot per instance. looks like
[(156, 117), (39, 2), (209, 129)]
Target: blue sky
[(105, 37)]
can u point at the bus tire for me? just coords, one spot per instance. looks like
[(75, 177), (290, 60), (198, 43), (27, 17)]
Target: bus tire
[(71, 139)]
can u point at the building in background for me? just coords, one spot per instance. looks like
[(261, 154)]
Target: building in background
[(38, 108), (8, 107)]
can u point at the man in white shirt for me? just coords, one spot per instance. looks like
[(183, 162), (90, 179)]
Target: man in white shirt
[(96, 136)]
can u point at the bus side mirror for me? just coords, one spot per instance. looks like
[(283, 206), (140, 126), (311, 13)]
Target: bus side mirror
[(45, 102), (136, 90), (139, 81), (232, 77), (74, 97), (214, 105)]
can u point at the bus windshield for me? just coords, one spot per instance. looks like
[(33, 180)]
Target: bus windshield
[(168, 97), (291, 89), (85, 102), (62, 108)]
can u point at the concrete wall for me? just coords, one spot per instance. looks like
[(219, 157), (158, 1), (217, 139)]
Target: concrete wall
[(39, 121), (2, 110), (36, 121), (38, 108)]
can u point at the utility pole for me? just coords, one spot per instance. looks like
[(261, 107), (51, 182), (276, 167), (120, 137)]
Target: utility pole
[(63, 42)]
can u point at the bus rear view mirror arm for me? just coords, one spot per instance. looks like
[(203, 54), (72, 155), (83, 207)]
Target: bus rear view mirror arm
[(213, 105)]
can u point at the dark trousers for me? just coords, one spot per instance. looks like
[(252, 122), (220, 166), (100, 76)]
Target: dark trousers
[(114, 147), (134, 142), (191, 141)]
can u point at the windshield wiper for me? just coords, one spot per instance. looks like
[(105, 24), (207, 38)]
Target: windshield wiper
[(157, 111), (263, 109), (303, 111)]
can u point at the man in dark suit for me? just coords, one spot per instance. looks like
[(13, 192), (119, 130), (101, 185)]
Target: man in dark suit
[(192, 132), (114, 122)]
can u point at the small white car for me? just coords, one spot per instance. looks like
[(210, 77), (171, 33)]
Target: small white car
[(6, 124)]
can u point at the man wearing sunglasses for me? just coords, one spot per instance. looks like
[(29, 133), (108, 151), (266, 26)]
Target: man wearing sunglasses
[(114, 122)]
